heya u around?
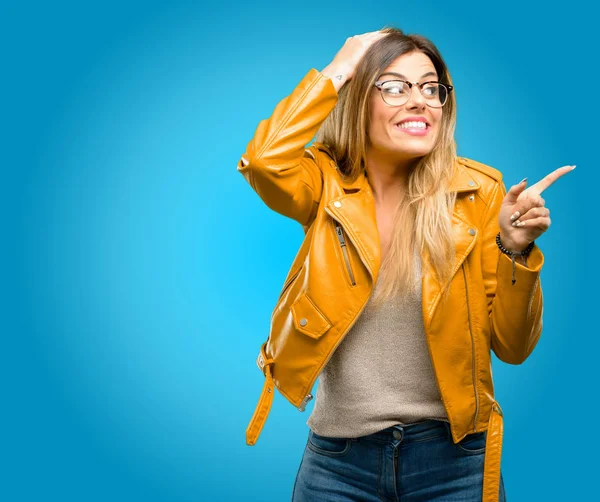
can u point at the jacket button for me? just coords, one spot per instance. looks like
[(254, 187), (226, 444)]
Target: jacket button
[(471, 197), (337, 203), (471, 231), (471, 183), (303, 322)]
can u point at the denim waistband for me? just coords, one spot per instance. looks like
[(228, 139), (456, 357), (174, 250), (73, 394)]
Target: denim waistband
[(413, 432)]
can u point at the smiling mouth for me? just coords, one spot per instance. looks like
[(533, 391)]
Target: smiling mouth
[(412, 129), (410, 125)]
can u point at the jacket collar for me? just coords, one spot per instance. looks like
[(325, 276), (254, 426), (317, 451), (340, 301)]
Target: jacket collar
[(462, 181)]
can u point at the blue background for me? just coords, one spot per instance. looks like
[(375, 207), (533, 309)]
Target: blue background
[(140, 269)]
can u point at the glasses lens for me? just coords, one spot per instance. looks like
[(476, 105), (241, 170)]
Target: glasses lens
[(395, 93), (436, 94)]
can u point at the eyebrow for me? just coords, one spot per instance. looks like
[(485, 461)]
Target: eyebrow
[(399, 75)]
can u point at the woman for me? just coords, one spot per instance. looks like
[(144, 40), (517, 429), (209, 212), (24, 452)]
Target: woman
[(415, 265)]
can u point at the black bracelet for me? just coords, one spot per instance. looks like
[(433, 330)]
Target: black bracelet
[(512, 254)]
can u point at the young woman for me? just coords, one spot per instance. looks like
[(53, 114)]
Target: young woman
[(416, 264)]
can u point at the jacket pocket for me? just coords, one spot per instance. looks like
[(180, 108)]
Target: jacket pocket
[(308, 319)]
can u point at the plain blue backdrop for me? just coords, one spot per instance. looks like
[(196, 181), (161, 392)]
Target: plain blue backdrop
[(140, 269)]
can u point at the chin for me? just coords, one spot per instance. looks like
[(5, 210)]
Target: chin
[(412, 153)]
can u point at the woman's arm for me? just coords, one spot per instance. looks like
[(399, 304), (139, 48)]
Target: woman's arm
[(515, 310), (277, 164)]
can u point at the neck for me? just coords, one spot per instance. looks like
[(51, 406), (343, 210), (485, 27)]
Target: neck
[(388, 179)]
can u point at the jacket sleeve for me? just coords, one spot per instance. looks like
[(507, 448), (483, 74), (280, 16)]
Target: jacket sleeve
[(276, 164), (515, 311)]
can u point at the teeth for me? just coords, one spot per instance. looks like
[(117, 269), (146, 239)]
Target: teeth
[(413, 125)]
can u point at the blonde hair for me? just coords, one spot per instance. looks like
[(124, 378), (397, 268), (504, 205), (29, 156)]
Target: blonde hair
[(423, 217)]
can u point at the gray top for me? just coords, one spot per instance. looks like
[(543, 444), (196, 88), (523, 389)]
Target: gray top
[(380, 374)]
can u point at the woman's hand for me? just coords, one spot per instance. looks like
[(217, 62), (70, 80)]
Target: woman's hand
[(344, 63), (523, 217)]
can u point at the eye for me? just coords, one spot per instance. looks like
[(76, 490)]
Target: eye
[(430, 90), (395, 88)]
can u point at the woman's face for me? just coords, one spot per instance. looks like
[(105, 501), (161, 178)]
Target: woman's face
[(385, 131)]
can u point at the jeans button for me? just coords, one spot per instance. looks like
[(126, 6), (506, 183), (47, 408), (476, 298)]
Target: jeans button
[(397, 435)]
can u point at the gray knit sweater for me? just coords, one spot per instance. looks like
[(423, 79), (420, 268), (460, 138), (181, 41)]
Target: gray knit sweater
[(380, 374)]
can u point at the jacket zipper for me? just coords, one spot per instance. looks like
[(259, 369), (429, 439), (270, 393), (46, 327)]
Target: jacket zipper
[(308, 397), (474, 369), (435, 372), (340, 234)]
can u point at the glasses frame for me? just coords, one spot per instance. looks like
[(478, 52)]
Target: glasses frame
[(379, 85)]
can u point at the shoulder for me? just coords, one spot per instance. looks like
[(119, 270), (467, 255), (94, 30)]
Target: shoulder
[(481, 170), (321, 154), (489, 178)]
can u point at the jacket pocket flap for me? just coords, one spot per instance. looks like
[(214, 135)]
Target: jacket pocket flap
[(308, 318)]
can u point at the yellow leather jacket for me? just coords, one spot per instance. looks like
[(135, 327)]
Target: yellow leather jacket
[(336, 267)]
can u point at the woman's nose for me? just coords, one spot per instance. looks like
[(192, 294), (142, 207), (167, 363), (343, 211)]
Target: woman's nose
[(416, 99)]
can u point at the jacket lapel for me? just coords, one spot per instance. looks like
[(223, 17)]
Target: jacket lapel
[(465, 235), (356, 213), (430, 286)]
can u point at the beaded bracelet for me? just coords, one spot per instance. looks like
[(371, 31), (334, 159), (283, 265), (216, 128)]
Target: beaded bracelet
[(512, 254)]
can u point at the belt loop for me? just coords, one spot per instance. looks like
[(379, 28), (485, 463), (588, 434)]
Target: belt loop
[(448, 429), (496, 408), (262, 361)]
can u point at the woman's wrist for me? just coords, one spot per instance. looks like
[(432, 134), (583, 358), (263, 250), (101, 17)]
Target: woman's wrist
[(514, 252), (510, 246), (337, 73)]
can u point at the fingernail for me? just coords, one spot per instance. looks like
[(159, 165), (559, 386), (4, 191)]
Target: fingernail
[(524, 179), (515, 215), (573, 167)]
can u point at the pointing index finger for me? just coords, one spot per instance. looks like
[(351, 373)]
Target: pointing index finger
[(547, 180)]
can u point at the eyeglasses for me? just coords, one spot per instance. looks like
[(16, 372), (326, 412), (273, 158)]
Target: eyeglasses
[(397, 92)]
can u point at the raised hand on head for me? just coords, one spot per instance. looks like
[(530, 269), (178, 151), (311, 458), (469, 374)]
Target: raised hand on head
[(344, 63)]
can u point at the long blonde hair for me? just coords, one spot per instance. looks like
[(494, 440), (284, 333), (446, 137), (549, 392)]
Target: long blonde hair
[(422, 219)]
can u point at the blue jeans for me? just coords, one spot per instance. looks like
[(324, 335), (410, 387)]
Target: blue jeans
[(409, 463)]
